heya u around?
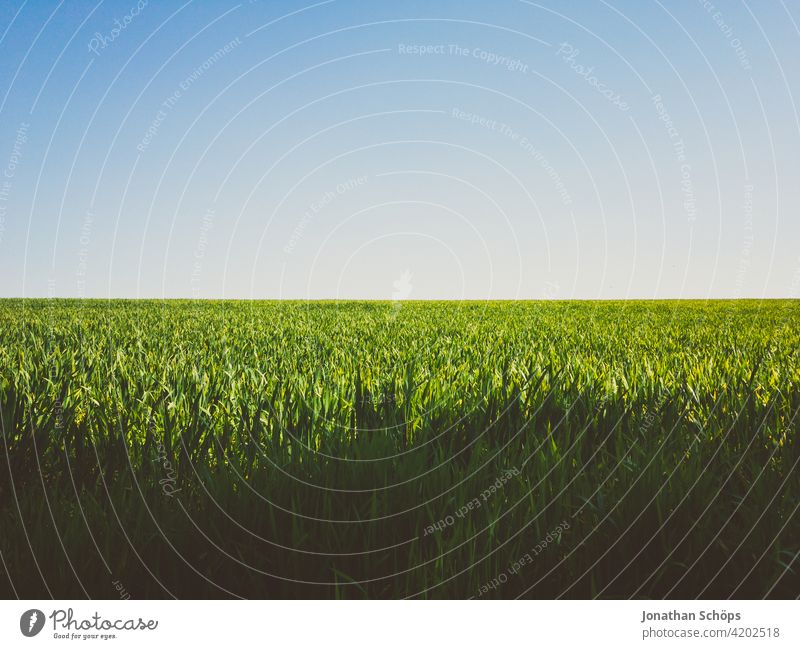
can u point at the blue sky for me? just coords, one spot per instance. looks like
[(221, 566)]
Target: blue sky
[(400, 150)]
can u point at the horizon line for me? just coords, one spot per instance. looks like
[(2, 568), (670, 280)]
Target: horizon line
[(392, 301)]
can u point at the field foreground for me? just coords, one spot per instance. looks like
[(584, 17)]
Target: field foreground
[(408, 449)]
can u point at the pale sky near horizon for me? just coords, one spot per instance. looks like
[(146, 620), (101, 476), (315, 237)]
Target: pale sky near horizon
[(414, 150)]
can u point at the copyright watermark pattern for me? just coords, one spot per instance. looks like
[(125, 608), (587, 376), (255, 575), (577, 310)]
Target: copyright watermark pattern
[(401, 300)]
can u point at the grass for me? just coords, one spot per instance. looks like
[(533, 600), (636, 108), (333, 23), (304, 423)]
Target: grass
[(368, 449)]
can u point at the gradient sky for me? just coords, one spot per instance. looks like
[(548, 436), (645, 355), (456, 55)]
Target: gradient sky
[(398, 150)]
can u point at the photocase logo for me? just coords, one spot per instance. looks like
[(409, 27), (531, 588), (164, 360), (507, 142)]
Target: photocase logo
[(31, 622), (402, 289), (402, 286)]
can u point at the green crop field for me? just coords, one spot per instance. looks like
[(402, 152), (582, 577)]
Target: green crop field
[(409, 449)]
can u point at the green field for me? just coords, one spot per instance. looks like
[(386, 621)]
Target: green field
[(414, 449)]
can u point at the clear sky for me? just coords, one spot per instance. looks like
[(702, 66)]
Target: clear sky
[(392, 150)]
